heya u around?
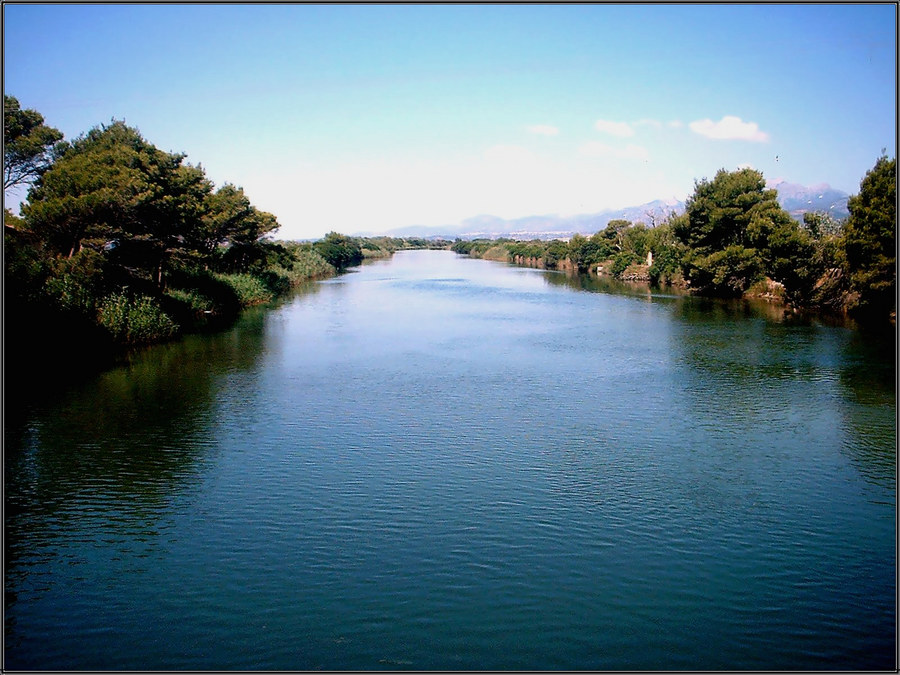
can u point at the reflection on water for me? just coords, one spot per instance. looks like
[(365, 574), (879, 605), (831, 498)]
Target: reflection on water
[(101, 463), (439, 463), (135, 427), (868, 382), (696, 308)]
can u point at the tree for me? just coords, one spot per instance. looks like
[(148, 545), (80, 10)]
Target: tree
[(112, 190), (614, 232), (787, 251), (870, 239), (230, 217), (583, 252), (29, 145), (636, 239), (340, 251), (85, 199), (556, 251), (602, 244), (667, 252), (232, 222), (111, 222), (821, 224), (10, 219), (169, 213), (734, 232)]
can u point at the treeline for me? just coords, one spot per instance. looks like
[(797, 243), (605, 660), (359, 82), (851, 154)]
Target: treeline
[(120, 243), (734, 239), (385, 246), (619, 250)]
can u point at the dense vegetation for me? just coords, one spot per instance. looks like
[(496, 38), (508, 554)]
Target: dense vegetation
[(868, 252), (734, 239), (619, 249), (122, 244)]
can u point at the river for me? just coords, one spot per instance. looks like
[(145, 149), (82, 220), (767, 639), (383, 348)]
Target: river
[(435, 462)]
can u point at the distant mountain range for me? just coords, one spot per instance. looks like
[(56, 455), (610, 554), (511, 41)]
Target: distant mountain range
[(795, 199), (799, 199)]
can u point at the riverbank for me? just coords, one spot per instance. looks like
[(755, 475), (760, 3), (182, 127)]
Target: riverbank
[(830, 298), (67, 319)]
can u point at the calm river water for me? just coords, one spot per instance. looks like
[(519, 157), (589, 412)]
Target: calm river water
[(435, 462)]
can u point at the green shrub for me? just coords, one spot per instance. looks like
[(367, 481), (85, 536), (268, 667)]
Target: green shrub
[(250, 290), (75, 283), (304, 264), (339, 250), (622, 261), (69, 293), (193, 299), (666, 267), (135, 320), (277, 280)]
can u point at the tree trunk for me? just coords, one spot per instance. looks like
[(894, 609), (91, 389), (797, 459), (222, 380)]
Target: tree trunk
[(76, 242)]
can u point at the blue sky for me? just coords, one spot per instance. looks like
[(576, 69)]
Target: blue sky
[(369, 117)]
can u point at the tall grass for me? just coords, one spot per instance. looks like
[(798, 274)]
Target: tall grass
[(193, 299), (249, 289), (307, 264), (303, 265), (135, 320), (69, 293)]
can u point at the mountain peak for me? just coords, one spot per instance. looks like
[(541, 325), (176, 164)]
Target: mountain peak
[(794, 198), (799, 199)]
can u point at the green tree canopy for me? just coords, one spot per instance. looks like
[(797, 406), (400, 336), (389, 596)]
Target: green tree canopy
[(230, 217), (870, 238), (339, 250), (28, 144), (103, 187), (111, 189), (614, 233), (556, 251), (821, 224), (583, 252), (233, 227), (637, 239), (735, 231)]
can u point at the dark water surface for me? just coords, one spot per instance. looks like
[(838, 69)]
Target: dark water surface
[(443, 463)]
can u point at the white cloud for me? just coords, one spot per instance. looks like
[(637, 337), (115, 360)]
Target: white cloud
[(744, 166), (676, 124), (620, 129), (656, 124), (630, 151), (543, 130), (729, 128)]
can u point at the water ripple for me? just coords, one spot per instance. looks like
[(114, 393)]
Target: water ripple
[(454, 465)]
